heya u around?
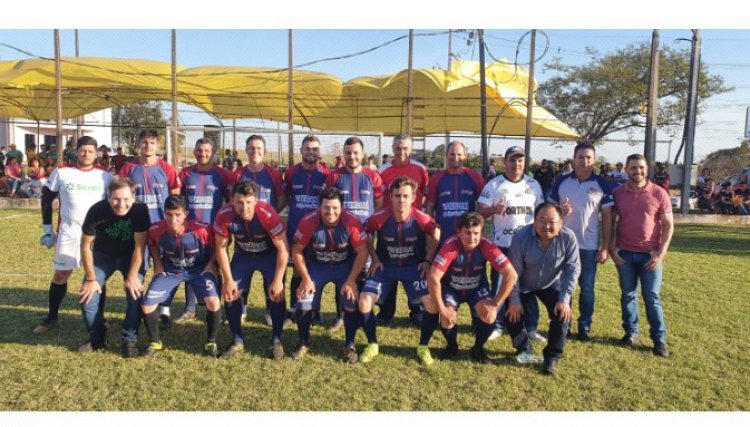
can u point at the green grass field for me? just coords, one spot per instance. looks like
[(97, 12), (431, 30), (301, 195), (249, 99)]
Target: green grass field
[(705, 296)]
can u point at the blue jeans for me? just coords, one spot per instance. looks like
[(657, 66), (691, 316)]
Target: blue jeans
[(93, 313), (586, 283), (630, 272)]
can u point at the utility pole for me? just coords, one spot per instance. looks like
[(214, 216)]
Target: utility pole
[(649, 149), (530, 100), (175, 142), (695, 64), (448, 70), (58, 100), (290, 96), (483, 102), (78, 118), (410, 88)]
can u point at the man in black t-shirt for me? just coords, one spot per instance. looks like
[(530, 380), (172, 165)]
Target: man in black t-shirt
[(114, 238)]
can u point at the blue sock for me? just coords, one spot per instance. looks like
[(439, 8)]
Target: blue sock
[(304, 320), (294, 285), (190, 299), (430, 322), (484, 330), (351, 323), (451, 336), (278, 314), (234, 317), (368, 324)]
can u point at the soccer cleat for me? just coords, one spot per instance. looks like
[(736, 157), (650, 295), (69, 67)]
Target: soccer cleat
[(369, 353), (129, 349), (534, 336), (186, 317), (496, 333), (45, 326), (526, 358), (660, 349), (628, 340), (423, 352), (337, 325), (267, 316), (165, 322), (449, 353), (210, 349), (300, 352), (479, 355), (153, 348), (232, 350), (350, 355), (277, 350), (550, 367)]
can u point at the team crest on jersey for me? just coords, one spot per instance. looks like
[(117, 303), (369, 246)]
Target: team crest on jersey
[(298, 234)]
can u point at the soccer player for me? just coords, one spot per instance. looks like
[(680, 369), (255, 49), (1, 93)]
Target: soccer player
[(453, 191), (260, 245), (402, 165), (154, 180), (303, 183), (270, 187), (79, 188), (510, 200), (114, 239), (583, 195), (459, 275), (182, 251), (330, 245), (361, 188), (205, 186), (406, 244)]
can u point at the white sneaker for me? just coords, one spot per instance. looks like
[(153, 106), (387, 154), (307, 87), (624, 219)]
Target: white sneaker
[(497, 333), (267, 315), (534, 336), (526, 358)]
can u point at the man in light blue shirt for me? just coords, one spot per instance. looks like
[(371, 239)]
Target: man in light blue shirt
[(545, 255)]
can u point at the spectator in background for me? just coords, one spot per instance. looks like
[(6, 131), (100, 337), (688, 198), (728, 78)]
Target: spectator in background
[(491, 171), (13, 176), (703, 177), (724, 199), (118, 160), (706, 197), (662, 177), (36, 176), (49, 165), (69, 154), (339, 162), (741, 199), (51, 152), (2, 156), (545, 176), (384, 160), (228, 159), (619, 176), (13, 153), (371, 163)]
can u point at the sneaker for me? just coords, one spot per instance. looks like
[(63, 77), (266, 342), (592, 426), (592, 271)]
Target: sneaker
[(423, 352), (243, 319), (45, 326), (350, 355), (186, 317), (165, 322), (129, 349), (534, 336), (369, 353), (267, 316), (660, 349), (449, 353), (583, 335), (526, 358), (628, 340), (300, 352), (211, 350), (337, 325), (277, 350), (479, 355), (87, 347), (232, 350), (496, 333), (153, 349), (550, 367)]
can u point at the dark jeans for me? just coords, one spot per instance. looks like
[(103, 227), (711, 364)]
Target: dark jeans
[(557, 329), (93, 312)]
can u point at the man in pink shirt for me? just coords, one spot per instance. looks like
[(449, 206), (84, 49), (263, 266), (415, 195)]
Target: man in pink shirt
[(643, 231)]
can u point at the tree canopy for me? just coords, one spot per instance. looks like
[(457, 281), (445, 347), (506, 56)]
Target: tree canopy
[(130, 119), (610, 93)]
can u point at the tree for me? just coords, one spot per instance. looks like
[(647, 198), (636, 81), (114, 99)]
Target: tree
[(610, 93), (130, 119), (723, 163)]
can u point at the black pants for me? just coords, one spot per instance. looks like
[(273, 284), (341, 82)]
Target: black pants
[(557, 329)]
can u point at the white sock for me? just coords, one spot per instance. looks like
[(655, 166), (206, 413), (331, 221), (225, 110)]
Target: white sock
[(164, 310)]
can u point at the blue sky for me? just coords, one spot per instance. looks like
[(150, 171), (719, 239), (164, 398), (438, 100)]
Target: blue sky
[(724, 52)]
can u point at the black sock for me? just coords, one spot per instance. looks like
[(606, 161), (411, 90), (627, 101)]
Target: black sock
[(430, 322), (56, 294), (351, 324), (484, 330), (213, 320), (451, 336), (278, 313), (152, 325), (304, 319), (294, 285)]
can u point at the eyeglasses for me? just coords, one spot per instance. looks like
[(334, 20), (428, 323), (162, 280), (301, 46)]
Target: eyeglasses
[(547, 222)]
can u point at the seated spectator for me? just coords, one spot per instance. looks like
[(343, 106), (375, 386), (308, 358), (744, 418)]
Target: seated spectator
[(725, 200), (13, 172), (706, 198), (662, 177), (703, 177), (742, 198), (36, 180), (49, 165)]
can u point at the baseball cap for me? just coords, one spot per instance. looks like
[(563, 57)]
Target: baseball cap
[(512, 151), (618, 164)]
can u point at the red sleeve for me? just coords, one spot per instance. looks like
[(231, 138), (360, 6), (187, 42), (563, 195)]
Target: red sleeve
[(222, 221), (376, 221), (155, 231), (278, 187), (447, 253), (173, 181), (125, 170), (493, 254), (331, 180), (354, 227), (270, 220), (203, 232), (288, 179), (425, 180), (377, 184), (305, 229), (432, 187), (426, 222)]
